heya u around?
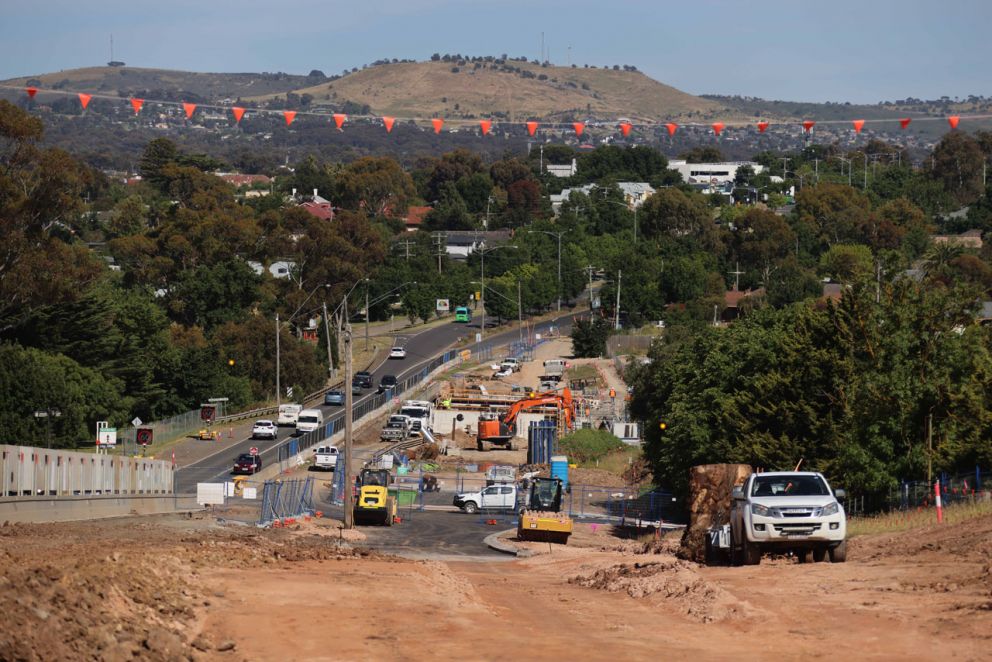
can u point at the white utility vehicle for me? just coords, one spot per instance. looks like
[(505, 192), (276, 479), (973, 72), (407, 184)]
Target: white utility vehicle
[(398, 428), (325, 457), (494, 497), (420, 413), (787, 512)]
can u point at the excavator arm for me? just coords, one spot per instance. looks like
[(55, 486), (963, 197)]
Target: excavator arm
[(502, 429)]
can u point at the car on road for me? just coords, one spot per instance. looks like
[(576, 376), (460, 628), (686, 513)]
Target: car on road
[(502, 372), (355, 388), (334, 398), (387, 382), (288, 414), (363, 379), (247, 464), (397, 353), (263, 429)]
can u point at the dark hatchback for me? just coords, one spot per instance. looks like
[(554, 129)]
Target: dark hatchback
[(387, 382), (247, 464), (363, 379)]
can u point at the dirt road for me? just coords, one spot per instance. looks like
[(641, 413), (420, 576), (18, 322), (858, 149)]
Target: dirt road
[(163, 588)]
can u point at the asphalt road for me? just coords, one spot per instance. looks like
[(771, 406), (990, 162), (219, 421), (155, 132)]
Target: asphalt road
[(421, 348), (428, 534)]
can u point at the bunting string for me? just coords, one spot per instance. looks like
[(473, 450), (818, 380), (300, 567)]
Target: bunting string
[(486, 125)]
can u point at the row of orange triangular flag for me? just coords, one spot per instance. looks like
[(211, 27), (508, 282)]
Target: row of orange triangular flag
[(485, 125)]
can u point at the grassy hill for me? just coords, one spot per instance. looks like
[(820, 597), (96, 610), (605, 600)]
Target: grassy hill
[(176, 85), (512, 90)]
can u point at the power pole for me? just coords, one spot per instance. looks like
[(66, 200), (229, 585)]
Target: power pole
[(278, 385), (349, 405), (616, 316), (520, 313), (406, 243), (438, 240), (785, 162), (327, 332), (367, 315), (589, 268)]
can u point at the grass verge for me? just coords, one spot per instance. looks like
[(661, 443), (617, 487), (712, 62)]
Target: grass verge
[(908, 520)]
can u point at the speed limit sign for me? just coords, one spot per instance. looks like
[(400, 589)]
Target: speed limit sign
[(254, 450)]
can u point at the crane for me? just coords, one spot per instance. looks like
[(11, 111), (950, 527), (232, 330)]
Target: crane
[(500, 430)]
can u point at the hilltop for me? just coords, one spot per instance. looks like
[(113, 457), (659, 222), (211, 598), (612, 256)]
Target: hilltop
[(171, 85), (511, 89)]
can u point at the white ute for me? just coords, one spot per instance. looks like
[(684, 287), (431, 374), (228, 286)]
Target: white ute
[(325, 457), (494, 497), (787, 511)]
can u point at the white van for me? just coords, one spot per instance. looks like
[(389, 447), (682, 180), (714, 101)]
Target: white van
[(309, 420), (288, 414)]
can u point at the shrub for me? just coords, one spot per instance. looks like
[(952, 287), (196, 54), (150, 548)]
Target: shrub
[(589, 445)]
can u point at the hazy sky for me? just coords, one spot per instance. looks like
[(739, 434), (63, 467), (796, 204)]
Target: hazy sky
[(836, 50)]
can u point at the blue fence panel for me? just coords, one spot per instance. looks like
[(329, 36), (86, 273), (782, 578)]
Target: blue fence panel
[(281, 499)]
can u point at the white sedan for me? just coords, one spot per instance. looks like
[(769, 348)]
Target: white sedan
[(397, 353), (263, 430)]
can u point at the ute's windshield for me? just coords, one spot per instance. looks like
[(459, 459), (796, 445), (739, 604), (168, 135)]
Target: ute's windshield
[(785, 486)]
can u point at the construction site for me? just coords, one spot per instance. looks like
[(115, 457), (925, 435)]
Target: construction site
[(478, 537)]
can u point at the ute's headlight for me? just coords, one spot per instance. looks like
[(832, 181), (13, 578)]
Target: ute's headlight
[(829, 509), (762, 511)]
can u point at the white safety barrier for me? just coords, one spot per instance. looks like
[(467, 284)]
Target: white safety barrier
[(30, 471)]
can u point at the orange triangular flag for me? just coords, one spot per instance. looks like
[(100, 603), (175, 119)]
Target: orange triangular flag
[(579, 127), (438, 123), (717, 127), (84, 99), (904, 122), (531, 127), (339, 119), (31, 91), (486, 125), (136, 104), (858, 125), (238, 114), (290, 116), (190, 108), (807, 125), (388, 121), (625, 128), (762, 126), (671, 128), (953, 121)]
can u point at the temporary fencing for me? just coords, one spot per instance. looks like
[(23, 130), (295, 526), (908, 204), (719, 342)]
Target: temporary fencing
[(30, 471), (963, 487), (286, 499)]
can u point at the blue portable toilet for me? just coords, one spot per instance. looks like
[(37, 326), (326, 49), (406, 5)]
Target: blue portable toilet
[(559, 469)]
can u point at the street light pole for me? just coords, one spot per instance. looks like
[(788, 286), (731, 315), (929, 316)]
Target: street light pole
[(278, 385), (558, 236), (349, 414), (482, 292)]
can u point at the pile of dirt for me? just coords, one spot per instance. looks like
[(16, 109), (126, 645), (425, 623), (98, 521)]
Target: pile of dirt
[(709, 503), (128, 589), (671, 582)]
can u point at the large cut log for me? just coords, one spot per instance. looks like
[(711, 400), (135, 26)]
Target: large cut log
[(709, 504)]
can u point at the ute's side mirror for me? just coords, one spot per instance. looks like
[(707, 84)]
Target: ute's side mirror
[(840, 494), (737, 493)]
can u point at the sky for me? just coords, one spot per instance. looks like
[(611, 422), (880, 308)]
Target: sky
[(861, 51)]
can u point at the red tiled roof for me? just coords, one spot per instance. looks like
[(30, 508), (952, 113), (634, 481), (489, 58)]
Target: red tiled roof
[(733, 297), (320, 210), (415, 215)]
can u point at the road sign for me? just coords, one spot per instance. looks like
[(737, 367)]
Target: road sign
[(105, 435), (207, 413), (136, 422), (253, 450), (478, 337), (144, 436), (289, 391), (443, 305)]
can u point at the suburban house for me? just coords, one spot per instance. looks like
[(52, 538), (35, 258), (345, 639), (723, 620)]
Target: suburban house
[(316, 205), (635, 193), (278, 269), (459, 244), (562, 170), (734, 301), (969, 239), (238, 180), (415, 217)]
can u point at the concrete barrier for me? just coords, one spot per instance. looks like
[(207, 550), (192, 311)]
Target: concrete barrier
[(70, 509)]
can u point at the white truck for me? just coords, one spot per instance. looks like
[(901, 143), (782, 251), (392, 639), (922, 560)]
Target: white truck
[(783, 512), (325, 458), (554, 370), (398, 428), (494, 497), (288, 413), (420, 413)]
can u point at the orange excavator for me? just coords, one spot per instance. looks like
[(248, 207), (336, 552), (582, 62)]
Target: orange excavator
[(500, 430)]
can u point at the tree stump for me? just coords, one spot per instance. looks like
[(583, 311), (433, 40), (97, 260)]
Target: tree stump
[(709, 504)]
